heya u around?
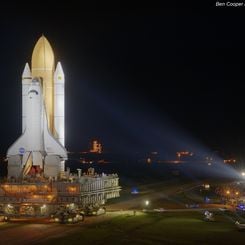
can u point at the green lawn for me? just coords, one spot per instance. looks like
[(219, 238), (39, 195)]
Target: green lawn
[(165, 228)]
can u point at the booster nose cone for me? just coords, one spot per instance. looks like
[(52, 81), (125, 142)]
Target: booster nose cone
[(59, 68), (42, 56), (27, 72), (59, 74)]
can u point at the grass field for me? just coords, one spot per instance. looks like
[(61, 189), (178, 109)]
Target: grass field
[(160, 228)]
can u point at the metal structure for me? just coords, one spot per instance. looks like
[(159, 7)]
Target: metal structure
[(41, 198)]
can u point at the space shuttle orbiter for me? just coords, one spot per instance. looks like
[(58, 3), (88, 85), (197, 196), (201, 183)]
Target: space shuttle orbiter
[(41, 145)]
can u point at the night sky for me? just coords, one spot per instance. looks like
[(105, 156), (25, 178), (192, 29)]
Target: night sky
[(132, 70)]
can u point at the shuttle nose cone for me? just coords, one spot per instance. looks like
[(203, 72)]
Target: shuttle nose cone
[(42, 56)]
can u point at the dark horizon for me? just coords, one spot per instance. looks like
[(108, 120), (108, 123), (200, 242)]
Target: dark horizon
[(144, 77)]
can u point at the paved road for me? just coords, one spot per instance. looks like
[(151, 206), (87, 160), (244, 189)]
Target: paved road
[(14, 233), (31, 233), (154, 192)]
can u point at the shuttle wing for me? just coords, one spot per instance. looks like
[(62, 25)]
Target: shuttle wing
[(18, 147)]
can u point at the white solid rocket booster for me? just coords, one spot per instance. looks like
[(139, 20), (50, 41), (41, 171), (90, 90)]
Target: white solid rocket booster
[(26, 81), (59, 104)]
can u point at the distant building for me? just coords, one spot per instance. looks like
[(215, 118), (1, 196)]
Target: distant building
[(96, 147), (230, 161), (185, 154)]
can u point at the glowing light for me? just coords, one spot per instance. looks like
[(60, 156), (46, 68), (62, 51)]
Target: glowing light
[(237, 193), (72, 189), (230, 161), (228, 192), (134, 191), (147, 202), (148, 160)]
